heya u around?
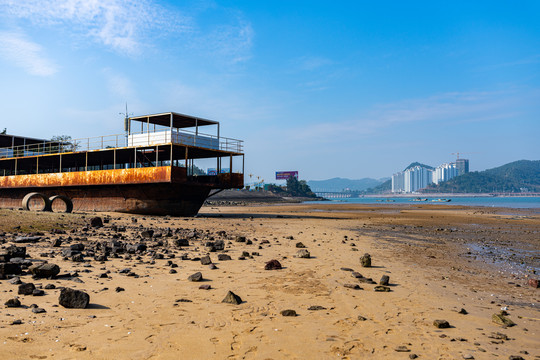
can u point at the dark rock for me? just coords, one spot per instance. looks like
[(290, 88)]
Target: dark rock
[(300, 245), (195, 277), (38, 310), (26, 289), (16, 251), (381, 288), (26, 239), (353, 286), (56, 243), (45, 270), (413, 356), (535, 283), (38, 292), (462, 311), (365, 260), (441, 324), (13, 303), (232, 298), (273, 265), (9, 269), (49, 287), (212, 266), (223, 257), (96, 222), (205, 287), (502, 320), (346, 269), (15, 280), (303, 253), (515, 357), (172, 271), (205, 260), (119, 289), (77, 257), (357, 275), (316, 307), (73, 299), (361, 318), (240, 239), (148, 234), (76, 247), (384, 280), (288, 312)]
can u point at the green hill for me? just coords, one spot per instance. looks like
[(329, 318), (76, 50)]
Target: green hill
[(513, 177)]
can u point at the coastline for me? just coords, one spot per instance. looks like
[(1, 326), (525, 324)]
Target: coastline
[(425, 250)]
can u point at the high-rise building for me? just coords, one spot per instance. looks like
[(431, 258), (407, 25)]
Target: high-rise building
[(411, 180), (462, 166)]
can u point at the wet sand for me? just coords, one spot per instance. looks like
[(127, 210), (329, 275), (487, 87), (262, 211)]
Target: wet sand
[(440, 259)]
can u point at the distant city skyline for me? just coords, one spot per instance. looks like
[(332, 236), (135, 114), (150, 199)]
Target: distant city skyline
[(328, 89)]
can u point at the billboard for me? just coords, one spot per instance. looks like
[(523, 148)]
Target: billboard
[(284, 175), (211, 171)]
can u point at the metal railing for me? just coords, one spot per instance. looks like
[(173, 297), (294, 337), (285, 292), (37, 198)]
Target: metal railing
[(140, 139)]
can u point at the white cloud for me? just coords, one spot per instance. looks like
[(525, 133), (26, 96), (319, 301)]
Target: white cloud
[(17, 49), (119, 24), (119, 85)]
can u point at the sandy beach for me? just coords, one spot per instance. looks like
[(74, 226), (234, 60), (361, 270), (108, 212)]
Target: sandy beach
[(458, 264)]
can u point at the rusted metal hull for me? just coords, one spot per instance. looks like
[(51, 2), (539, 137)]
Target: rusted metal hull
[(158, 190)]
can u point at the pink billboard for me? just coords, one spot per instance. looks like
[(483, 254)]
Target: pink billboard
[(284, 175)]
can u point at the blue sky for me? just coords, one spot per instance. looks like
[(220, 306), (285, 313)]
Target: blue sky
[(349, 88)]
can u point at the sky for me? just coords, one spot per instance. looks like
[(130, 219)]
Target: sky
[(348, 89)]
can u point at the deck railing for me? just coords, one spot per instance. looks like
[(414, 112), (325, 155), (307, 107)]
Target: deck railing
[(183, 137)]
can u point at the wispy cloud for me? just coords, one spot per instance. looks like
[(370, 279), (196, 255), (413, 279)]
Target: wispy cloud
[(119, 24), (450, 108), (119, 85), (17, 49)]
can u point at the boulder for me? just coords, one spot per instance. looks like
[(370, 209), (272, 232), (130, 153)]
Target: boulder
[(223, 257), (205, 260), (73, 299), (384, 280), (365, 260), (45, 270), (9, 269), (288, 312), (441, 324), (26, 289), (96, 222), (14, 302), (502, 320), (273, 265), (232, 298), (303, 254), (195, 277)]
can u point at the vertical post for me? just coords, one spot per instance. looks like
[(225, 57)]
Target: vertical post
[(37, 164), (230, 164), (15, 166), (242, 164), (86, 163), (60, 163), (186, 158), (157, 154), (171, 154), (114, 157), (134, 157)]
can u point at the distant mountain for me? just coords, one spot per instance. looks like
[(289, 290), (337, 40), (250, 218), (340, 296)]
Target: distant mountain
[(339, 184), (513, 177)]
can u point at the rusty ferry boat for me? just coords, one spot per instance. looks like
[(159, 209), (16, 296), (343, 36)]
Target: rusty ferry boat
[(155, 167)]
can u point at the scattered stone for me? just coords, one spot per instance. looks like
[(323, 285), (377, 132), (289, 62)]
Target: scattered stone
[(205, 287), (232, 298), (96, 222), (316, 307), (212, 267), (384, 280), (353, 286), (288, 312), (273, 265), (441, 324), (50, 286), (300, 245), (498, 336), (535, 283), (468, 357), (73, 299), (15, 280), (515, 357), (462, 311), (502, 320), (346, 269), (413, 356), (303, 254), (38, 310), (361, 318), (119, 289), (26, 239), (402, 348), (12, 303), (195, 277), (365, 260), (381, 288), (26, 289), (16, 322), (223, 257), (147, 234), (45, 270), (205, 260), (38, 292), (240, 239), (357, 275)]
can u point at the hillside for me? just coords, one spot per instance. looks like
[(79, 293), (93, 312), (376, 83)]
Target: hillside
[(339, 184), (512, 177)]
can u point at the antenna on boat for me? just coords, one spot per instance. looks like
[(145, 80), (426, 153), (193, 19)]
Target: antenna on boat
[(126, 123)]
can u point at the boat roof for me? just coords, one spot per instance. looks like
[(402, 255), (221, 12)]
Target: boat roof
[(178, 120), (7, 140)]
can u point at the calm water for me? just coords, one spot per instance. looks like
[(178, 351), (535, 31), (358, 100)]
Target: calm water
[(508, 202)]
